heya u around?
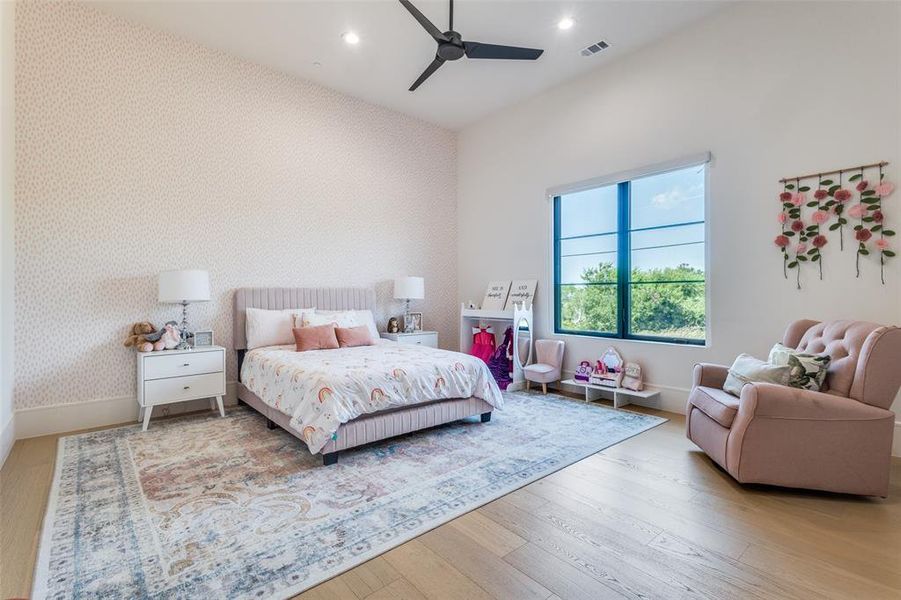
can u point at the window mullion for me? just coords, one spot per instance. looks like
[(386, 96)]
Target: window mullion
[(622, 270)]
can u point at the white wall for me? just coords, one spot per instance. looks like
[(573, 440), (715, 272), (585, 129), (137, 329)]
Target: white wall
[(772, 90), (139, 152), (7, 189)]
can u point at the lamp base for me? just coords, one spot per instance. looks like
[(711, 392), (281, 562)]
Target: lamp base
[(183, 328)]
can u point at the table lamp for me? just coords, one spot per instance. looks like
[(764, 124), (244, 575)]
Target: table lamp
[(184, 287), (409, 288)]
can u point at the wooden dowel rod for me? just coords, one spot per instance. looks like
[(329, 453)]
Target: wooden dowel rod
[(848, 170)]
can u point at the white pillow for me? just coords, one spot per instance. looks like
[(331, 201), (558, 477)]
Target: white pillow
[(364, 317), (271, 327), (341, 318)]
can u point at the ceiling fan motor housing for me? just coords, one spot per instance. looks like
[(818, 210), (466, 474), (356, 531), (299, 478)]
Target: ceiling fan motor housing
[(453, 49)]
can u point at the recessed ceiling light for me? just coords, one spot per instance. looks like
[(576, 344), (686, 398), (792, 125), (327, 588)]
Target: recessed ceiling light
[(565, 23), (351, 38)]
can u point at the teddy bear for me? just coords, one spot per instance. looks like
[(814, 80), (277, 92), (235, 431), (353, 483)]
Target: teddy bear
[(140, 336)]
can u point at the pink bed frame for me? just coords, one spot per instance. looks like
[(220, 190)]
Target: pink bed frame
[(366, 428)]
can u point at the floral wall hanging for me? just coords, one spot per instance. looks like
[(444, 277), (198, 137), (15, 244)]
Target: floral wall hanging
[(806, 222)]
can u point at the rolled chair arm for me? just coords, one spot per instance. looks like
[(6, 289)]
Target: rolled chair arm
[(709, 375), (782, 402)]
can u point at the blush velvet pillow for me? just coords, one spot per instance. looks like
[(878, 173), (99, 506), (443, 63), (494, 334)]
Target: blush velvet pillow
[(348, 337), (321, 337)]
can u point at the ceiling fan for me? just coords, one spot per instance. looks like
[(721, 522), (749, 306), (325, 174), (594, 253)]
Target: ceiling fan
[(452, 47)]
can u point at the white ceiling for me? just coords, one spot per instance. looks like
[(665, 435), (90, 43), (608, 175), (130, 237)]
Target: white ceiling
[(304, 38)]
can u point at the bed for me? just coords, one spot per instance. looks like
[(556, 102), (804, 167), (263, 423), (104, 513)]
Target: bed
[(334, 400)]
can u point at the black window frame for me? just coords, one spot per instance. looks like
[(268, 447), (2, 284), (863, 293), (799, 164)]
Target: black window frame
[(624, 268)]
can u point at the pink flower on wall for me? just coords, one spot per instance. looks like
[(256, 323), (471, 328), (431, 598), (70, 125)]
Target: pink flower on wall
[(885, 188), (820, 217), (857, 211), (842, 195), (847, 194)]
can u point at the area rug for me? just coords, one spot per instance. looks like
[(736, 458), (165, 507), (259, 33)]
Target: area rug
[(205, 507)]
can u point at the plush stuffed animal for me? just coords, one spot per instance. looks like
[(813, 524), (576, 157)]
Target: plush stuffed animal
[(170, 337), (140, 334)]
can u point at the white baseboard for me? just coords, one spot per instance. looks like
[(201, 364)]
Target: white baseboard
[(64, 418), (671, 399), (7, 437)]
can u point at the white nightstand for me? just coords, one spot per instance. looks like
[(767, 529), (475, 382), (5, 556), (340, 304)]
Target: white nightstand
[(178, 375), (420, 338)]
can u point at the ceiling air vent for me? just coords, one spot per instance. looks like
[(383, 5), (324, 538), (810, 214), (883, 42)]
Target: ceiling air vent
[(595, 48)]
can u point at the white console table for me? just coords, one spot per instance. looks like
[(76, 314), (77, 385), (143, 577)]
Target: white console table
[(621, 395)]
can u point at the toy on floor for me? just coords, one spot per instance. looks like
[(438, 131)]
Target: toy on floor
[(483, 342), (501, 362)]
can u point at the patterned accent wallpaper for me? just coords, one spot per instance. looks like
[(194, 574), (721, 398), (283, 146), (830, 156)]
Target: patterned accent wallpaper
[(138, 152)]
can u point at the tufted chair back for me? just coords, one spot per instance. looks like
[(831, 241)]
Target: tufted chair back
[(866, 357)]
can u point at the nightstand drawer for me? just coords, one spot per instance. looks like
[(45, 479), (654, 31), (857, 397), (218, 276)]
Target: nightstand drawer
[(176, 389), (186, 363)]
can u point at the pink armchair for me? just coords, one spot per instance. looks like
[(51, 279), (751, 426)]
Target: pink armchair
[(838, 440)]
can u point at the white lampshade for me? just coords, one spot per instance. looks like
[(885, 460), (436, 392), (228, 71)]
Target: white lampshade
[(191, 285), (409, 288)]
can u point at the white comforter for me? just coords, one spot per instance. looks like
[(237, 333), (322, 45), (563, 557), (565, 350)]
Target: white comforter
[(321, 389)]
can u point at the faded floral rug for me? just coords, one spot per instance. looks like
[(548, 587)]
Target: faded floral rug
[(205, 507)]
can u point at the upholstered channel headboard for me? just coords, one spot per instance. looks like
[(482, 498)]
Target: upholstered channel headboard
[(277, 298)]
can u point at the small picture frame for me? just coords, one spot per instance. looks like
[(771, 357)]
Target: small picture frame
[(203, 338), (417, 320)]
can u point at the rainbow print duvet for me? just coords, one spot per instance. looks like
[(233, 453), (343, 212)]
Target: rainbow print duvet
[(321, 389)]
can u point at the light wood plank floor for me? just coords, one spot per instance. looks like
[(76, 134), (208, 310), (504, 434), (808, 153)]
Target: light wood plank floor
[(651, 517)]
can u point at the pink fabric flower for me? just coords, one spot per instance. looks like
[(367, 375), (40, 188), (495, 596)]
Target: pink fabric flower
[(862, 185), (863, 235), (798, 199), (885, 188), (797, 226), (878, 217), (783, 217), (785, 196), (820, 241), (856, 211), (820, 194), (842, 195), (820, 217), (801, 248), (882, 244), (781, 241)]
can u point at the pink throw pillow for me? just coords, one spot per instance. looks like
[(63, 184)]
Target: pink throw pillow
[(321, 337), (348, 337)]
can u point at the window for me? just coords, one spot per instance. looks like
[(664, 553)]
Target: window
[(629, 258)]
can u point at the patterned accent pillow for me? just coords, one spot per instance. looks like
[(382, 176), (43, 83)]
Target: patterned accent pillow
[(808, 371), (747, 369)]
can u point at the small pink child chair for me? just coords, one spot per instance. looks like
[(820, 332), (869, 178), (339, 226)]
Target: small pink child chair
[(549, 365)]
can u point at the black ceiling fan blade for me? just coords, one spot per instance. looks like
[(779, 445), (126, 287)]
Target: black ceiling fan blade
[(480, 50), (426, 24), (428, 72)]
